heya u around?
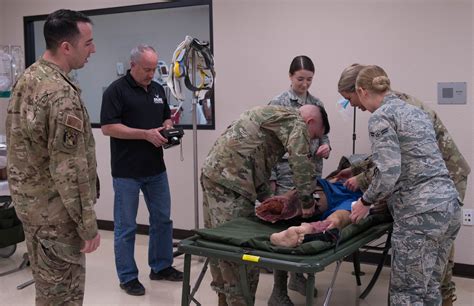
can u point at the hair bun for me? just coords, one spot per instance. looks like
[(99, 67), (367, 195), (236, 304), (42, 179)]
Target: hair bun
[(381, 83)]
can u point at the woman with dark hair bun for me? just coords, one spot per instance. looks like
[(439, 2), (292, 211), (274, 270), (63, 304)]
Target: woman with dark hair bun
[(301, 75)]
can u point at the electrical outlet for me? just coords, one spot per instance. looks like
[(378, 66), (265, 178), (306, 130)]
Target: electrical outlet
[(467, 216)]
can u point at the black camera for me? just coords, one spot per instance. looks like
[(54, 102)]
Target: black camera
[(173, 136)]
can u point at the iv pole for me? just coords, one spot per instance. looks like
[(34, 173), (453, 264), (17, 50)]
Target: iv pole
[(191, 73), (194, 102), (195, 150), (354, 136)]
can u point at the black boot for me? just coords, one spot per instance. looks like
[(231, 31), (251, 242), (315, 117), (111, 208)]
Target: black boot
[(221, 299), (279, 295)]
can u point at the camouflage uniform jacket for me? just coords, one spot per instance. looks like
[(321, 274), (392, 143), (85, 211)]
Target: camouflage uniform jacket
[(455, 162), (409, 168), (51, 151), (243, 156), (282, 172)]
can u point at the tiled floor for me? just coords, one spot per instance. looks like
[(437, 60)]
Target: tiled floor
[(102, 285)]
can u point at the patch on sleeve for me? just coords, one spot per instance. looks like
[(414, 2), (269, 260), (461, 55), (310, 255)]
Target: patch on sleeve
[(73, 122), (70, 138), (377, 134)]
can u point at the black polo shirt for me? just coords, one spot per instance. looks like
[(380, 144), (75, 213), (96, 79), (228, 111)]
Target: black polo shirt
[(124, 101)]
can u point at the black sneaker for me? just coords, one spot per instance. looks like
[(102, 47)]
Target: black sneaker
[(133, 287), (170, 274)]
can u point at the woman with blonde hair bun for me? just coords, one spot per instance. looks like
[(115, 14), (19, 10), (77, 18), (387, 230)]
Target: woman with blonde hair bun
[(411, 174), (455, 162)]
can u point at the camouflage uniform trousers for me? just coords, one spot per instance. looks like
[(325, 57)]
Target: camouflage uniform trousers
[(56, 261), (221, 205), (448, 287), (421, 245)]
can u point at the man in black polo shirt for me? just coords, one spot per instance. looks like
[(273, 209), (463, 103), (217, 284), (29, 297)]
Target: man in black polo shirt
[(134, 111)]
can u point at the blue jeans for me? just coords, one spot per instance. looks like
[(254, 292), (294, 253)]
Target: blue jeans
[(157, 198)]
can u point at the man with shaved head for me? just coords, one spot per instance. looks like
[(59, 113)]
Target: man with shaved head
[(236, 173)]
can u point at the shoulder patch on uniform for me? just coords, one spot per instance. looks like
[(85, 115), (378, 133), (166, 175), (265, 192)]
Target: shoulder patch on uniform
[(377, 134), (70, 138), (73, 122)]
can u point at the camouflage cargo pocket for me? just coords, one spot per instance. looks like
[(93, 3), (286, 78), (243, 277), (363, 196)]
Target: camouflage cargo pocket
[(60, 270), (54, 256)]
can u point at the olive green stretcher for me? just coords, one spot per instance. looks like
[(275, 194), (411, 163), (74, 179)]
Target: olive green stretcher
[(246, 242)]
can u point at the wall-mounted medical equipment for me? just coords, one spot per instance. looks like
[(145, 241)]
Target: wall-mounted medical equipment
[(162, 73), (120, 69)]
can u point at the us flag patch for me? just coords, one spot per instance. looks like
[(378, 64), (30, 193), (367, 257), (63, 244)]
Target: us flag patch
[(73, 122)]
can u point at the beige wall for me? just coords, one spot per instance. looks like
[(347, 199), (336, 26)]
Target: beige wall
[(418, 42), (2, 21)]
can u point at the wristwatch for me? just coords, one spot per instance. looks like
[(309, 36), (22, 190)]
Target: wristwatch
[(365, 202)]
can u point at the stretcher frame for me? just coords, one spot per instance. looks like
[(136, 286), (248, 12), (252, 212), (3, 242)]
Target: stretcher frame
[(309, 264)]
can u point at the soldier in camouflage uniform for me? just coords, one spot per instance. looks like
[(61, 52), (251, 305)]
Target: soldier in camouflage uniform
[(236, 171), (409, 172), (52, 164), (301, 74), (455, 162)]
